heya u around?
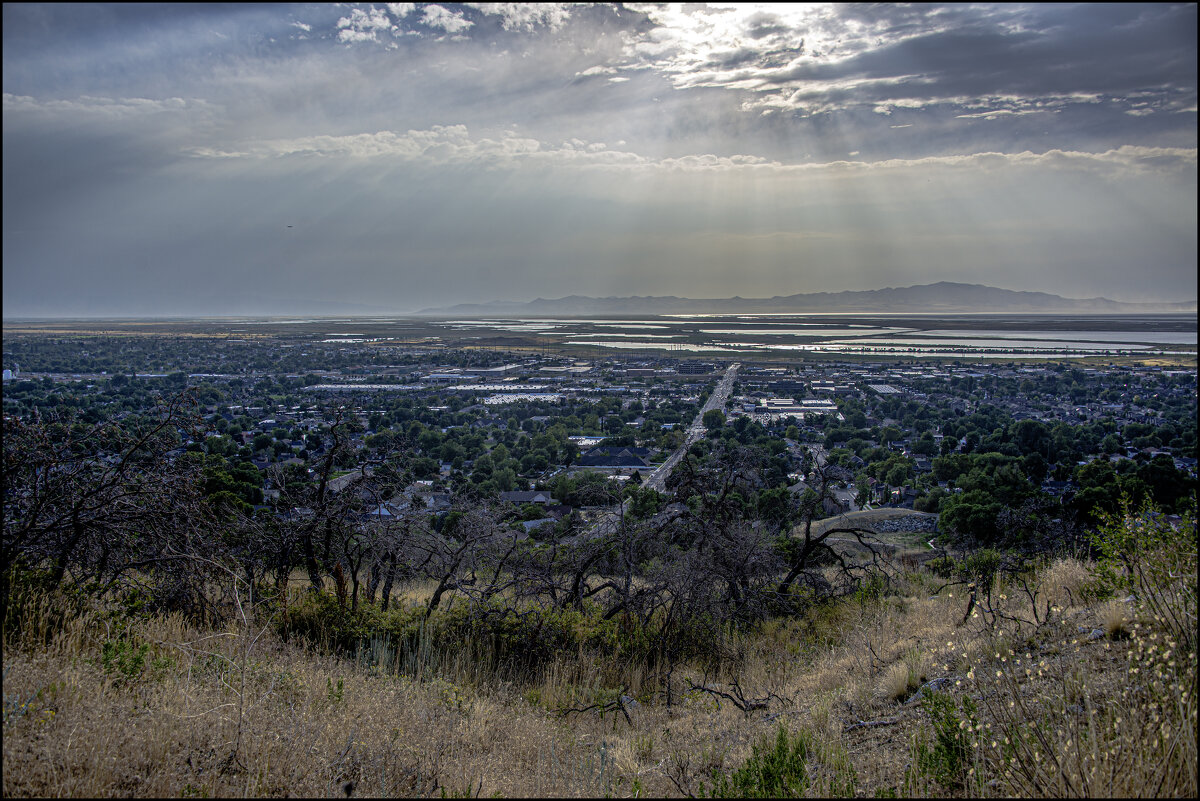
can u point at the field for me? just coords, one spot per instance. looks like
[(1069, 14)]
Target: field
[(1066, 673)]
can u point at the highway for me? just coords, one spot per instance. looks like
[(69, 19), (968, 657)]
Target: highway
[(657, 480), (717, 400)]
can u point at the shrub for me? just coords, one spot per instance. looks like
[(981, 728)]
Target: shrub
[(1115, 617), (942, 566), (1155, 559), (948, 760), (894, 684), (981, 566), (498, 635), (123, 659), (903, 678), (33, 613), (773, 770)]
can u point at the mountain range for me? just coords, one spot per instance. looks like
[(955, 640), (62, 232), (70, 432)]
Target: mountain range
[(944, 297)]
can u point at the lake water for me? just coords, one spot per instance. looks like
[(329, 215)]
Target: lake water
[(1030, 336)]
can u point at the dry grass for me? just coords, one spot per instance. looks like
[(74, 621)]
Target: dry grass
[(1116, 620), (1064, 581), (896, 683), (238, 712), (197, 719)]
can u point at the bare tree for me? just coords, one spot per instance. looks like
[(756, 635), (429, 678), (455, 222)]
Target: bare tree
[(805, 550), (453, 555), (102, 505), (317, 511)]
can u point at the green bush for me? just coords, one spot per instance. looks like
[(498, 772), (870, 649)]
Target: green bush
[(124, 659), (948, 760), (1154, 558), (942, 566), (981, 566), (774, 770), (518, 640), (33, 612), (872, 588), (319, 618)]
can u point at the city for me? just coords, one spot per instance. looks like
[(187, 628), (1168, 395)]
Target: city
[(504, 423)]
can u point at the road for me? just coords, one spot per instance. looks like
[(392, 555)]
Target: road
[(717, 400), (657, 479)]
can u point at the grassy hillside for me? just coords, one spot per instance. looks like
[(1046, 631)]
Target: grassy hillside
[(1077, 678)]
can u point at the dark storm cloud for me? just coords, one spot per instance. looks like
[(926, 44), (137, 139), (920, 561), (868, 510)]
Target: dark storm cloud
[(963, 56), (1110, 49)]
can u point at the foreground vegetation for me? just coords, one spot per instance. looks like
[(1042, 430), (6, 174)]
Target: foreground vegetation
[(1055, 678)]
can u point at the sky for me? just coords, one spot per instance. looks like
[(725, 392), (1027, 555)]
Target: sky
[(168, 160)]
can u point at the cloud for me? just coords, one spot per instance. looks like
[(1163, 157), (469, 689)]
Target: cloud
[(365, 23), (526, 16), (439, 17), (362, 26), (453, 144), (446, 145), (102, 107), (506, 147), (822, 59), (599, 69), (997, 113), (1012, 66)]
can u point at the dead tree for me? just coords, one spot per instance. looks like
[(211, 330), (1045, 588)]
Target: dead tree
[(317, 511), (102, 506), (73, 494), (805, 550)]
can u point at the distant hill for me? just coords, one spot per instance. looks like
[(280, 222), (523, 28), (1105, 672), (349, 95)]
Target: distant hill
[(944, 296)]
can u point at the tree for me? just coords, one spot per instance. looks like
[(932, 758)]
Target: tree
[(931, 501), (644, 502), (97, 505), (713, 419), (1167, 486), (1034, 466), (889, 434), (466, 544), (898, 474), (774, 507), (1099, 490), (971, 516), (1031, 436), (325, 512)]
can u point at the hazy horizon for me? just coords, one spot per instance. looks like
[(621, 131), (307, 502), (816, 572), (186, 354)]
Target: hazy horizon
[(207, 161), (502, 308)]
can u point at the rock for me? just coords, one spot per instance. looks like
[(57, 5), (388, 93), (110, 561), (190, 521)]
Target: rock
[(909, 523), (930, 687)]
